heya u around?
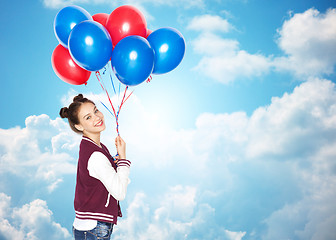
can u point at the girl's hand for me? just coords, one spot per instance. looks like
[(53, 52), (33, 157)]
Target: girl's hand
[(121, 147)]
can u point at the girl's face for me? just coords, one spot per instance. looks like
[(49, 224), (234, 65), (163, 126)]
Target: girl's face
[(91, 120)]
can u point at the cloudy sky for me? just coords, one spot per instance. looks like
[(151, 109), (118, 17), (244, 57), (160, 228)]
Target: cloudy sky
[(238, 142)]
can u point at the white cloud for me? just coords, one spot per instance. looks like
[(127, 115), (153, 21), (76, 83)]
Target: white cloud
[(313, 217), (286, 150), (43, 150), (177, 216), (4, 205), (211, 44), (31, 221), (226, 69), (295, 124), (223, 60), (209, 23), (178, 203), (235, 235), (210, 182), (308, 40), (300, 129)]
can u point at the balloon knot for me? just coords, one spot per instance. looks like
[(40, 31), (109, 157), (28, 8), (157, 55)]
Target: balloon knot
[(149, 79)]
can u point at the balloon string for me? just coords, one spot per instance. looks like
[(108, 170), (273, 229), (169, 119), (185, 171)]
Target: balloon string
[(110, 73), (108, 96), (107, 108), (112, 80), (149, 79), (126, 98), (122, 101), (114, 88), (119, 108), (119, 91)]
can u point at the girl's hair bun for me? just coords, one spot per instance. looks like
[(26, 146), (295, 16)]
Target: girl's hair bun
[(78, 98), (64, 112), (71, 112)]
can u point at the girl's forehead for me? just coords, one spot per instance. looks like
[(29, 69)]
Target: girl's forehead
[(86, 108)]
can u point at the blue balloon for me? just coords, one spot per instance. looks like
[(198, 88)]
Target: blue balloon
[(90, 45), (66, 19), (169, 48), (132, 60)]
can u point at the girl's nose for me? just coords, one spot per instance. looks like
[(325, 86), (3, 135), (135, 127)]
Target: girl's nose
[(96, 117)]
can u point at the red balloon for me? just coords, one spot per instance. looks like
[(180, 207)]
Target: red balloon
[(101, 18), (66, 69), (125, 21)]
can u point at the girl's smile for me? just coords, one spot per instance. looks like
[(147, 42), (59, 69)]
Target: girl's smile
[(100, 123)]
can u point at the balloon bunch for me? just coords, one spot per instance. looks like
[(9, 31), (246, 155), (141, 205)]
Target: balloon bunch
[(88, 43)]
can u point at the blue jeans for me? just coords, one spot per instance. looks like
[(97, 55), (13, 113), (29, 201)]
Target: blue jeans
[(103, 230)]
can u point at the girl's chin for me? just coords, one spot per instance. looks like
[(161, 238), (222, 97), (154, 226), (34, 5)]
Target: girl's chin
[(102, 127)]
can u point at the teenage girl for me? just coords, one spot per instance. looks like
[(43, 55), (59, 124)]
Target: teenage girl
[(101, 180)]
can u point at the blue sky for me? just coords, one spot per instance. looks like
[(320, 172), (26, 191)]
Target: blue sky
[(238, 142)]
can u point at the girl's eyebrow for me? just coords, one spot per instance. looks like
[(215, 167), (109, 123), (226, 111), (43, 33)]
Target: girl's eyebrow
[(89, 113), (86, 115)]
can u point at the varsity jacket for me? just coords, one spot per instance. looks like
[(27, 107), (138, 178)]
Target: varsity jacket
[(93, 201)]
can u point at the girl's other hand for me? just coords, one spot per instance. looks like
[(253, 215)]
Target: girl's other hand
[(121, 147)]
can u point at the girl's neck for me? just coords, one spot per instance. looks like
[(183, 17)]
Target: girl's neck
[(93, 137)]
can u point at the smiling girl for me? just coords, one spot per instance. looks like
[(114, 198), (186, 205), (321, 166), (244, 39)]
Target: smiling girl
[(101, 183)]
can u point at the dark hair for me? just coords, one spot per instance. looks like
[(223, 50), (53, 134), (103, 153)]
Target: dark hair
[(71, 112)]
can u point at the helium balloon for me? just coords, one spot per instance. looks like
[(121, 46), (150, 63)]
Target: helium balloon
[(101, 18), (90, 45), (66, 19), (125, 21), (66, 69), (169, 48), (132, 60)]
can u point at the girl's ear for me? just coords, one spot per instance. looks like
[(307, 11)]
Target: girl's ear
[(79, 127)]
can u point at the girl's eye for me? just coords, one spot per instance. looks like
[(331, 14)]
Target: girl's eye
[(96, 111), (88, 118)]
